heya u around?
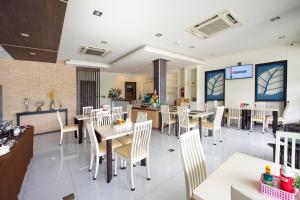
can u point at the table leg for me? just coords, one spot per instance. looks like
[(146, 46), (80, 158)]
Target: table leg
[(143, 162), (200, 128), (125, 116), (244, 116), (80, 126), (76, 122), (248, 119), (275, 122), (109, 160), (176, 125)]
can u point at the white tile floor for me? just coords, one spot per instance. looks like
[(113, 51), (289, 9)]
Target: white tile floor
[(56, 171)]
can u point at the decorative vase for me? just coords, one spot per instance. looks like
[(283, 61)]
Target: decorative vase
[(26, 103), (52, 104)]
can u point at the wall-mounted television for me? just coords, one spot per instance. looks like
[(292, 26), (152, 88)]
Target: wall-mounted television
[(239, 72)]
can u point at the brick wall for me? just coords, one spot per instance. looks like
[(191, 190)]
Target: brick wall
[(34, 80)]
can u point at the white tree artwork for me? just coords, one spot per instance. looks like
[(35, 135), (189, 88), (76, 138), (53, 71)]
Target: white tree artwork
[(215, 86), (270, 82)]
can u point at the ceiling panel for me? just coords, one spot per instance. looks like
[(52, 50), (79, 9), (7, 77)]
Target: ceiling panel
[(20, 53), (41, 19)]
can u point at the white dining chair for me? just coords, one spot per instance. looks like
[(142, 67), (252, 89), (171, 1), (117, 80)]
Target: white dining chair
[(106, 107), (234, 114), (283, 139), (137, 150), (184, 121), (281, 119), (141, 117), (128, 110), (258, 114), (65, 129), (117, 113), (93, 115), (166, 118), (215, 125), (193, 160), (103, 118), (86, 111)]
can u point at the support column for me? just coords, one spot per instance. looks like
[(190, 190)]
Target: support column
[(160, 79)]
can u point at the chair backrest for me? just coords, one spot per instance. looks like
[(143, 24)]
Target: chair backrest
[(106, 107), (117, 113), (165, 113), (104, 118), (193, 160), (203, 107), (259, 111), (216, 105), (194, 105), (141, 117), (59, 120), (234, 113), (286, 110), (87, 110), (128, 110), (93, 115), (92, 135), (141, 140), (183, 117), (287, 140), (218, 117)]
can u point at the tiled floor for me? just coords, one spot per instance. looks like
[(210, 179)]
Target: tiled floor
[(56, 171)]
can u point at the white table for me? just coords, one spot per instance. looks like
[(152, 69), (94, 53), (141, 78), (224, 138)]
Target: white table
[(193, 114), (240, 170), (79, 119), (274, 111), (108, 133)]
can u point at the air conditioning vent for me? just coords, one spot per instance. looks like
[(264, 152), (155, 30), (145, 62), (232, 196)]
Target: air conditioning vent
[(94, 51), (221, 21)]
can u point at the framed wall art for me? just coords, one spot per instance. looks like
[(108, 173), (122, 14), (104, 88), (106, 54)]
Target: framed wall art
[(215, 85)]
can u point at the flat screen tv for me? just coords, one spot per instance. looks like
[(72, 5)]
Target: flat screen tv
[(239, 72)]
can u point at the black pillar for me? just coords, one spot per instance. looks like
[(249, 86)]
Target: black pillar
[(160, 79)]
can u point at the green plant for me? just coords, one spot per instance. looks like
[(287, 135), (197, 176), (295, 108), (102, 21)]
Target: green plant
[(297, 182), (114, 92)]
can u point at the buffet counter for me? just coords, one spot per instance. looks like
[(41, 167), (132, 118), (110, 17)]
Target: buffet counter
[(152, 113), (13, 165)]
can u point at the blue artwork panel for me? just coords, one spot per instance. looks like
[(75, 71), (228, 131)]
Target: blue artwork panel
[(270, 81), (215, 85)]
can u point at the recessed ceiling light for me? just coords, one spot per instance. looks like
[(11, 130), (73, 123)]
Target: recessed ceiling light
[(158, 34), (177, 42), (103, 42), (97, 13), (192, 47), (25, 35), (32, 53), (275, 18), (282, 37)]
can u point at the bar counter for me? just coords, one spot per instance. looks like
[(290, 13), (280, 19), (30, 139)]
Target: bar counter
[(13, 165), (152, 113)]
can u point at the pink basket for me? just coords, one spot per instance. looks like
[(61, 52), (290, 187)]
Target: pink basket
[(275, 193)]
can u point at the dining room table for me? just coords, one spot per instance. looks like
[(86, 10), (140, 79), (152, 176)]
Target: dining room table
[(108, 133), (246, 115), (193, 114), (79, 119), (239, 170)]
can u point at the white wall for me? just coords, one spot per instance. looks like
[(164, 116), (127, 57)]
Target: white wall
[(244, 89), (116, 80)]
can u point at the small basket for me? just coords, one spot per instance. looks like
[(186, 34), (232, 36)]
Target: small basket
[(275, 193)]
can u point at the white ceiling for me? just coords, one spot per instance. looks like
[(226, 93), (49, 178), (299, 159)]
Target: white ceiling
[(129, 24)]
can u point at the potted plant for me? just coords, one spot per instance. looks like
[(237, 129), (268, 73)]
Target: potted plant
[(296, 183), (114, 93)]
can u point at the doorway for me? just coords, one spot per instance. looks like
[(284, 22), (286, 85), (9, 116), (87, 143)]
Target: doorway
[(87, 94), (130, 91)]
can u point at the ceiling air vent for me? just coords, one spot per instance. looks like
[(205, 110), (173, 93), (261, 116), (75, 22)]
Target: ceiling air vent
[(210, 26), (94, 51)]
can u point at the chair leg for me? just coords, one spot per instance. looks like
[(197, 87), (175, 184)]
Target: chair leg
[(61, 137), (214, 134), (116, 165), (206, 132), (132, 181), (97, 167), (148, 169), (169, 129), (239, 124), (251, 126), (179, 128), (162, 127), (263, 126), (228, 122), (220, 135), (91, 160)]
